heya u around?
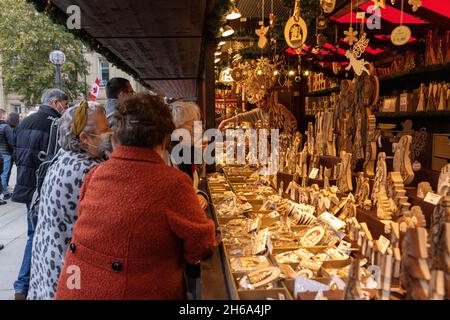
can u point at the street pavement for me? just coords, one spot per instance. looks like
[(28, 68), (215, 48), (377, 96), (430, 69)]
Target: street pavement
[(13, 235)]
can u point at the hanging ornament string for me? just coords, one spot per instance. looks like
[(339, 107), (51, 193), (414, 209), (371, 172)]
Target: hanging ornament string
[(401, 34), (350, 34), (401, 13)]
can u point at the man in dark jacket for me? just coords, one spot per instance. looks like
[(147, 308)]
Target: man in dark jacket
[(31, 138), (6, 149), (117, 89)]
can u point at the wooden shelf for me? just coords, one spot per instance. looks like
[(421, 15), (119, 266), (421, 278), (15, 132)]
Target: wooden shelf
[(411, 80), (419, 114), (322, 92)]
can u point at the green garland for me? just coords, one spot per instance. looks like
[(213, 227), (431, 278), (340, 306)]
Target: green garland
[(60, 17)]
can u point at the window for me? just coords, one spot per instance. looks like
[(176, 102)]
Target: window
[(16, 108), (104, 72)]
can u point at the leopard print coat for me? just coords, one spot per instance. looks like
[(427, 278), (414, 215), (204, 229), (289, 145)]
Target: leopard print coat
[(56, 218)]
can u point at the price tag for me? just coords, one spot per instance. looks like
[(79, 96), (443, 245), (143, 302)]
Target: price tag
[(274, 214), (332, 221), (313, 174), (345, 247), (269, 246), (383, 244), (360, 15), (432, 198)]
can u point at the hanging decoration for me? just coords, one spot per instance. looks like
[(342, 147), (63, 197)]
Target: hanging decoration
[(321, 23), (271, 15), (295, 31), (379, 3), (358, 65), (225, 75), (328, 5), (401, 34), (350, 34), (262, 31), (416, 4)]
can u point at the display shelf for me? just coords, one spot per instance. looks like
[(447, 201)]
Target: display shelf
[(419, 114), (322, 92), (412, 79)]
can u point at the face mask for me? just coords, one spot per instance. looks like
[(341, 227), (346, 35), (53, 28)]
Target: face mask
[(104, 147)]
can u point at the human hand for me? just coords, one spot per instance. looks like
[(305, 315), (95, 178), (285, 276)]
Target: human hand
[(203, 201)]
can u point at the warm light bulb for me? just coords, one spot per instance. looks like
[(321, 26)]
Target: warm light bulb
[(291, 73), (218, 53), (306, 73), (275, 73), (227, 31), (221, 43), (259, 72), (217, 60)]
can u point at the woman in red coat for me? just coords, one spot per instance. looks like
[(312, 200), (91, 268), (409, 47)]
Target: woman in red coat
[(139, 220)]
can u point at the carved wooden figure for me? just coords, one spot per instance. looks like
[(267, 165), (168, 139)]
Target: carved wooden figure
[(380, 177), (344, 181), (353, 287), (415, 276), (402, 159)]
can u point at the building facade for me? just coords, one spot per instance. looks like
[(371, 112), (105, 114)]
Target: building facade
[(98, 67)]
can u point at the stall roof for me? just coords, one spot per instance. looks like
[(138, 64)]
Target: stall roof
[(159, 40)]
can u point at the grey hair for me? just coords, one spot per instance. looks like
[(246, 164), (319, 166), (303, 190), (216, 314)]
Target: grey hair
[(51, 95), (183, 112), (67, 140)]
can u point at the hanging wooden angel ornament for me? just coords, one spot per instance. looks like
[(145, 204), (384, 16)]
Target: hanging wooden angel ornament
[(358, 65), (295, 31), (261, 33), (401, 34)]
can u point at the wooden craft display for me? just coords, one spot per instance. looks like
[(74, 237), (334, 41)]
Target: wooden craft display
[(344, 181), (415, 276), (440, 238), (380, 177), (402, 159), (353, 287)]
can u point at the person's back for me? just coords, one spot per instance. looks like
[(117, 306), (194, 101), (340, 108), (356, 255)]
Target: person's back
[(139, 219), (31, 138)]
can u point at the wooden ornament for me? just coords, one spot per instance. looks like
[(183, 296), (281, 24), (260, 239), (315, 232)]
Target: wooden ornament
[(328, 5), (379, 3), (400, 35), (296, 31), (351, 36), (402, 159), (261, 33), (416, 4)]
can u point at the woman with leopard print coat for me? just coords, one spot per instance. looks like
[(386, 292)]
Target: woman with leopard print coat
[(81, 131)]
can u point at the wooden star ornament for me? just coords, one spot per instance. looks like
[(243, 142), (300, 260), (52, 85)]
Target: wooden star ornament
[(416, 4), (351, 36)]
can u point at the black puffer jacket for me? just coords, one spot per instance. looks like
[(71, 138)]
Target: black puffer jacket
[(31, 137)]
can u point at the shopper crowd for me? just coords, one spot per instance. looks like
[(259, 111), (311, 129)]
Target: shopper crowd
[(109, 215)]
